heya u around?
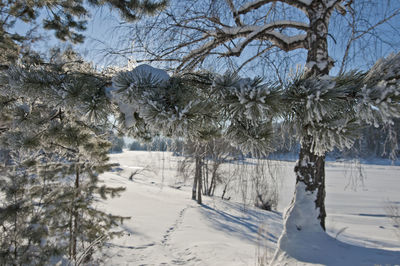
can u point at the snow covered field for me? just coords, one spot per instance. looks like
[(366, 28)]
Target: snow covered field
[(168, 228)]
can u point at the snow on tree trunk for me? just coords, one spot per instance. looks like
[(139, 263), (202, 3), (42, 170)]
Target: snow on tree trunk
[(301, 227), (310, 170)]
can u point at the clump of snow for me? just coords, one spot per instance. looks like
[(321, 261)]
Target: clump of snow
[(140, 72), (125, 82), (301, 217)]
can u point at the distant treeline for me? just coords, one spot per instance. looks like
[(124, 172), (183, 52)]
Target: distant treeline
[(373, 143), (157, 144)]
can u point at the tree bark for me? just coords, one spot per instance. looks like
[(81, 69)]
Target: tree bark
[(318, 62)]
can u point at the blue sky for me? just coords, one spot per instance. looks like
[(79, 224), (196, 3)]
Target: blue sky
[(106, 31)]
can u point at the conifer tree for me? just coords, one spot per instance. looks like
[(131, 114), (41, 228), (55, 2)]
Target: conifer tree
[(56, 138), (53, 135)]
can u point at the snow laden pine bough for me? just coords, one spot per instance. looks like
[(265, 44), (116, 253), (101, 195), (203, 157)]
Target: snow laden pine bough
[(323, 113)]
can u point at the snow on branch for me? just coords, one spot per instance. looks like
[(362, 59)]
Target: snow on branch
[(282, 41), (249, 33), (380, 96), (243, 30), (250, 6)]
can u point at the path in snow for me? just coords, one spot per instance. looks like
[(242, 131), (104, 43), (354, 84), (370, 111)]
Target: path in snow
[(175, 226), (168, 228)]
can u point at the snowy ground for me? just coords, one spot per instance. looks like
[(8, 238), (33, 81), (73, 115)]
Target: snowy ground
[(168, 228)]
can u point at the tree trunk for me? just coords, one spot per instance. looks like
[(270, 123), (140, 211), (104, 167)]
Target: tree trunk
[(310, 168), (215, 167), (213, 187), (318, 61), (210, 188), (76, 213), (75, 228), (199, 179), (206, 190), (194, 183), (305, 217)]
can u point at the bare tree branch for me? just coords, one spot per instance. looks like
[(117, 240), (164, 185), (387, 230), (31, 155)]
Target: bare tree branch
[(253, 58), (235, 13), (182, 36), (354, 36), (250, 33)]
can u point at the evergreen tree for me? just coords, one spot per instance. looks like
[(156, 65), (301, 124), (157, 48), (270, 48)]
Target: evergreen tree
[(57, 146), (53, 135)]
